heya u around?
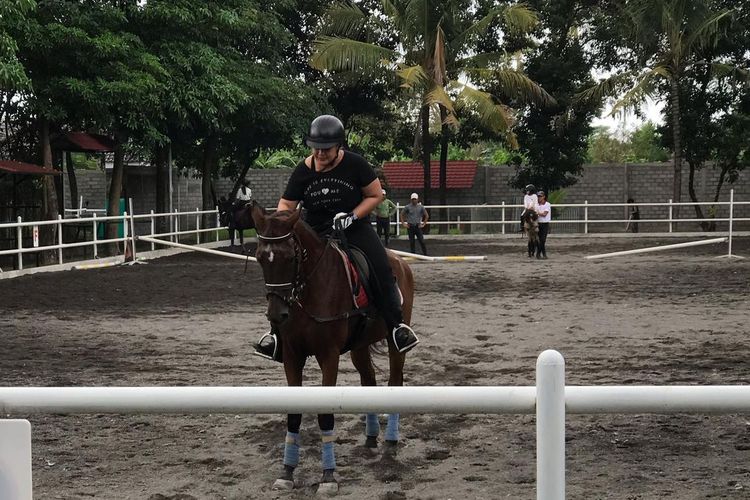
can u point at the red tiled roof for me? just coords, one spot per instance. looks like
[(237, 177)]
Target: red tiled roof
[(19, 167), (410, 175), (83, 142)]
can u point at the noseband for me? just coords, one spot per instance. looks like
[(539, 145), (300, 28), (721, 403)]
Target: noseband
[(291, 291)]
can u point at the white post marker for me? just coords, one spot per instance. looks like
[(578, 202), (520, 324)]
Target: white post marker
[(36, 236), (550, 426), (15, 459), (659, 248)]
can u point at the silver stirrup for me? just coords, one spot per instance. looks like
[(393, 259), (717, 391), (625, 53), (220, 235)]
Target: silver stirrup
[(406, 347), (272, 357)]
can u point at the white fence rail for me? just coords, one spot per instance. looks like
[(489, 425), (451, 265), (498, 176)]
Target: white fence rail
[(481, 215), (509, 215), (550, 400)]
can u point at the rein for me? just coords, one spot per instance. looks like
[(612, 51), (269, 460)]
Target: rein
[(290, 292)]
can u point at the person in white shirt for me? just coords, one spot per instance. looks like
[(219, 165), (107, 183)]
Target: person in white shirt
[(544, 209), (530, 201), (244, 193)]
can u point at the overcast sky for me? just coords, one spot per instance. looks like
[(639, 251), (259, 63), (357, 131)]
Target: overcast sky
[(629, 122)]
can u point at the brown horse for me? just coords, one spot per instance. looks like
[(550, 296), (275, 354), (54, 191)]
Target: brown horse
[(531, 230), (236, 218), (310, 303)]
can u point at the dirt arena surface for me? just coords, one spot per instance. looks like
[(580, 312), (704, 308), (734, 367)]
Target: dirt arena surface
[(677, 317)]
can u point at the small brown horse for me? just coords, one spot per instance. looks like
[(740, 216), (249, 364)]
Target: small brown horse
[(531, 230), (310, 303), (236, 218)]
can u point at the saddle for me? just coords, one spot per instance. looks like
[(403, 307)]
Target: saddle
[(358, 273)]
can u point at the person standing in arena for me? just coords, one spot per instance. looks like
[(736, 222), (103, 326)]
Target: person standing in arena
[(383, 213), (339, 189), (544, 209), (415, 218)]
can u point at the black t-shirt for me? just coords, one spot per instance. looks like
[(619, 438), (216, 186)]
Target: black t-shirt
[(324, 194)]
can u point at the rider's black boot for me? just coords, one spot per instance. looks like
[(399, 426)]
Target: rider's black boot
[(403, 336), (269, 346)]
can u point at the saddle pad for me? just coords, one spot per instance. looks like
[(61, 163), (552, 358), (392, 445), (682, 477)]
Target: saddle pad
[(359, 295)]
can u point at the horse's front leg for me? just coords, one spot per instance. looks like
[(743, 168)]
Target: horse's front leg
[(293, 368), (329, 366), (396, 378), (363, 363)]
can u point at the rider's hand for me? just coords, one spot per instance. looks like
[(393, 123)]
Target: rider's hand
[(342, 220)]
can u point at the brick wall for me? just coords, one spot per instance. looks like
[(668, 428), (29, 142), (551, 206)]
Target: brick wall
[(645, 183)]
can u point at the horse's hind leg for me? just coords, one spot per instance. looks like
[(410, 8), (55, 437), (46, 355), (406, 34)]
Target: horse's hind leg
[(363, 363)]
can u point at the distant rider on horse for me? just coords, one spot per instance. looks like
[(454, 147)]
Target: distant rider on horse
[(530, 201), (340, 187)]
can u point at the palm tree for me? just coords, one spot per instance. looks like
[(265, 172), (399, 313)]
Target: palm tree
[(435, 48), (669, 36)]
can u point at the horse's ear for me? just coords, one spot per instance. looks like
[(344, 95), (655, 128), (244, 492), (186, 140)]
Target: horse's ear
[(259, 216)]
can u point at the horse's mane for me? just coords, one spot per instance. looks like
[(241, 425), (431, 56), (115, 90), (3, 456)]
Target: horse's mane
[(278, 224)]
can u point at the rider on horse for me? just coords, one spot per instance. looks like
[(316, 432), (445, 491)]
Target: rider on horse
[(340, 186), (530, 201)]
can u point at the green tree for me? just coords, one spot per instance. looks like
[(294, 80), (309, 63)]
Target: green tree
[(666, 39), (229, 92), (436, 45), (85, 67), (12, 14), (554, 138)]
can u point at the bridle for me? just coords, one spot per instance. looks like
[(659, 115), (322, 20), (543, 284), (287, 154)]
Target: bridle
[(291, 291)]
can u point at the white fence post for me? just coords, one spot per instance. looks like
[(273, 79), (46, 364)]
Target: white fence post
[(131, 221), (197, 226), (670, 215), (15, 458), (218, 222), (59, 239), (731, 216), (398, 219), (95, 237), (19, 237), (586, 217), (550, 426), (503, 219), (153, 230)]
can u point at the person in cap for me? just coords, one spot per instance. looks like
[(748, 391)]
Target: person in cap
[(415, 218), (339, 188), (383, 213), (544, 209)]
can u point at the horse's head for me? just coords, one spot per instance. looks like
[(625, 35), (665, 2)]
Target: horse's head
[(280, 256)]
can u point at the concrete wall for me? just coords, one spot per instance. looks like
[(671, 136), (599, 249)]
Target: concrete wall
[(611, 183)]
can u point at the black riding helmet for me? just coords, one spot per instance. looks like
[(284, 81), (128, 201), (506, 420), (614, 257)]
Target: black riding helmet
[(530, 188), (326, 131)]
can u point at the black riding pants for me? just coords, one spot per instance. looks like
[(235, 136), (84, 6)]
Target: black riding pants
[(543, 231), (415, 232), (387, 300), (384, 228)]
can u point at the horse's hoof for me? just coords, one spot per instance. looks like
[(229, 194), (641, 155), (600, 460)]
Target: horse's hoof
[(283, 484), (328, 489), (371, 442)]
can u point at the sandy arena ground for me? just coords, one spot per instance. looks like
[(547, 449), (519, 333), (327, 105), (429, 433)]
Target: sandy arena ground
[(678, 317)]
